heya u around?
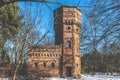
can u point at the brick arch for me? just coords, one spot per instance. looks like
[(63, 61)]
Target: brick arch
[(48, 55)]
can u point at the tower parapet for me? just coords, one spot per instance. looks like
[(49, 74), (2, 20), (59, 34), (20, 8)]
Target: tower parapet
[(39, 48)]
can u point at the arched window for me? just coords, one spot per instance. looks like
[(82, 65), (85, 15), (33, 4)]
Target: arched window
[(44, 64), (41, 54), (53, 55), (53, 65), (44, 55), (77, 30), (33, 54), (38, 54), (56, 55), (69, 22), (68, 44), (66, 22), (69, 28), (36, 65)]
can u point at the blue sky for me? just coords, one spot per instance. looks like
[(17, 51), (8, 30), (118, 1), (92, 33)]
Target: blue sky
[(47, 9)]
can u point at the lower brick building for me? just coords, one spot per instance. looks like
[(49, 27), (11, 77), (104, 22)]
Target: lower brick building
[(46, 59)]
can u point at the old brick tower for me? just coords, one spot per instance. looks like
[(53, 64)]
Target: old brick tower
[(63, 58), (67, 32)]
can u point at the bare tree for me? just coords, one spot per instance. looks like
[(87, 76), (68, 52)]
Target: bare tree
[(30, 33)]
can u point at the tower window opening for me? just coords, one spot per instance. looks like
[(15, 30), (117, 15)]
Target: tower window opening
[(77, 65), (53, 65), (41, 54), (68, 28), (68, 44), (66, 22), (69, 22), (38, 54), (77, 30), (56, 55), (33, 54), (44, 64), (45, 55), (36, 65)]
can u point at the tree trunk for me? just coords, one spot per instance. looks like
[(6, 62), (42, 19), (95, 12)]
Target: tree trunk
[(16, 70)]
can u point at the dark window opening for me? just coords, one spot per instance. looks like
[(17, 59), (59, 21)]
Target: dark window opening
[(53, 65), (69, 22), (44, 64), (77, 65), (56, 55), (36, 65), (68, 28), (33, 54), (77, 29), (45, 55), (66, 22), (68, 44)]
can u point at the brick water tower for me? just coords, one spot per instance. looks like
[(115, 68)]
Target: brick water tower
[(67, 24)]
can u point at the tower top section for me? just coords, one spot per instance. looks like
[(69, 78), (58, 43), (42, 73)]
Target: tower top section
[(66, 6), (67, 20)]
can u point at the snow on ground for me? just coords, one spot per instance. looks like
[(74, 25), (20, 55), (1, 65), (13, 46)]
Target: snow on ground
[(99, 77), (90, 77)]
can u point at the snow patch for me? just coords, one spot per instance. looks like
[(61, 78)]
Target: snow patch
[(89, 77)]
